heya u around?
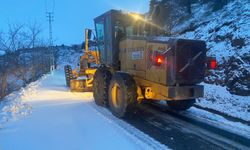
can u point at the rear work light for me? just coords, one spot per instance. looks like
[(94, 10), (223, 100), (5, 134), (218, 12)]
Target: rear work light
[(211, 63)]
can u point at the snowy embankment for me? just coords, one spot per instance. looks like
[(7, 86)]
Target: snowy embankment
[(15, 105), (219, 99), (68, 56), (64, 120)]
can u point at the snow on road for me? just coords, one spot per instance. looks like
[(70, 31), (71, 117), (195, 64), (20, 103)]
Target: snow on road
[(61, 120)]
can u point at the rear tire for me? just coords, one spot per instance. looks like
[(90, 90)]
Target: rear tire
[(68, 74), (180, 105), (101, 82), (122, 94)]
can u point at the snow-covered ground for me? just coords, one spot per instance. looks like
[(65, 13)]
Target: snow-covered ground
[(218, 98), (218, 121), (45, 115)]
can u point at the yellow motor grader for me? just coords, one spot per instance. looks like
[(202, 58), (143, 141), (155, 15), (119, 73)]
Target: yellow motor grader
[(137, 63), (81, 78)]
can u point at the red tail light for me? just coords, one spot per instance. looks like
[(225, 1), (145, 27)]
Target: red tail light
[(213, 63), (159, 60)]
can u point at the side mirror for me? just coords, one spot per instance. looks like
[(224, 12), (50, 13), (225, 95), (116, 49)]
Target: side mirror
[(89, 33), (95, 38), (147, 28)]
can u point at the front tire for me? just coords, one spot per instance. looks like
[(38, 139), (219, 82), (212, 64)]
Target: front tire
[(122, 94), (101, 82), (180, 105), (68, 74)]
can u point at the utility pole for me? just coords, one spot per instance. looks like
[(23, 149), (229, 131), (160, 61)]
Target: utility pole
[(50, 19)]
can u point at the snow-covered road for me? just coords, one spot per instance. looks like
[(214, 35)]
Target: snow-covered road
[(61, 120)]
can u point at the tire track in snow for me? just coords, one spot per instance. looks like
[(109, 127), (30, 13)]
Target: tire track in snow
[(138, 136)]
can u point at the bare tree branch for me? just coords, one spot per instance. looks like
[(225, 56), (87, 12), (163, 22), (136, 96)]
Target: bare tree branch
[(35, 30), (3, 44), (14, 36)]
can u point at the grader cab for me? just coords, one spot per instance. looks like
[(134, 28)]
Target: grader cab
[(137, 63)]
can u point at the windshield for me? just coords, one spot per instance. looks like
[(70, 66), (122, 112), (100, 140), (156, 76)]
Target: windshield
[(125, 28)]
